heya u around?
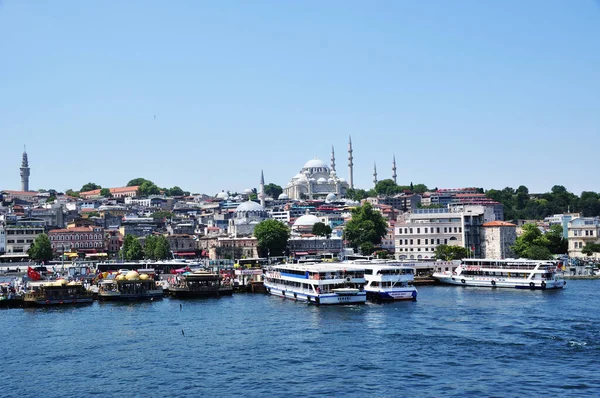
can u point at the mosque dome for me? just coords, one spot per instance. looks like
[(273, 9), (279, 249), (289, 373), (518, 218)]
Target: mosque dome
[(283, 197), (248, 191), (222, 195), (342, 180), (330, 197), (314, 163), (307, 220), (322, 180), (249, 206)]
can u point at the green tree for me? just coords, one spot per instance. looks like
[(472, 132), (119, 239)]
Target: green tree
[(90, 186), (162, 251), (71, 193), (175, 191), (449, 253), (591, 248), (356, 194), (127, 243), (272, 237), (162, 214), (136, 182), (134, 251), (149, 247), (387, 188), (273, 190), (367, 248), (366, 225), (105, 192), (321, 229), (532, 244), (51, 199), (41, 249), (149, 188), (557, 244)]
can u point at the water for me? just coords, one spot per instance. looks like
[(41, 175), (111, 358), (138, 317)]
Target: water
[(453, 341)]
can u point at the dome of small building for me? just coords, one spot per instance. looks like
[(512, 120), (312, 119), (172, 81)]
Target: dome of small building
[(307, 220), (249, 206), (283, 197), (222, 195), (248, 191), (315, 163), (330, 197)]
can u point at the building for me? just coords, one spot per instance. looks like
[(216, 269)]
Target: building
[(245, 247), (417, 234), (20, 235), (581, 231), (562, 220), (311, 245), (315, 180), (401, 202), (497, 239), (25, 196), (121, 192), (182, 245), (246, 217), (25, 172), (2, 238), (88, 239)]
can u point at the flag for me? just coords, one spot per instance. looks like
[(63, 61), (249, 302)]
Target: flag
[(33, 274)]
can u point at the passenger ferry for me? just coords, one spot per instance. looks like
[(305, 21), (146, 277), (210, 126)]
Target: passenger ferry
[(510, 273), (55, 292), (321, 284), (199, 284), (129, 287), (386, 280)]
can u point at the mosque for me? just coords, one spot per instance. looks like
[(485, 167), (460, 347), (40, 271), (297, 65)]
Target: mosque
[(316, 180)]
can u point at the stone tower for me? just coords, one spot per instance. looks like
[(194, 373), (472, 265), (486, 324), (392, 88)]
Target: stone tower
[(262, 189), (350, 164), (394, 175), (25, 172)]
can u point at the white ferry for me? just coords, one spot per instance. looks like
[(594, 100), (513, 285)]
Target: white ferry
[(386, 280), (316, 283), (511, 273)]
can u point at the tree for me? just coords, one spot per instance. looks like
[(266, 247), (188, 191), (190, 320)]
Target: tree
[(127, 243), (162, 214), (162, 250), (386, 188), (367, 248), (449, 253), (366, 225), (272, 237), (591, 248), (557, 244), (136, 182), (105, 192), (71, 193), (321, 229), (175, 191), (134, 251), (90, 186), (149, 188), (41, 249), (356, 194), (273, 190), (149, 247), (532, 244), (51, 199)]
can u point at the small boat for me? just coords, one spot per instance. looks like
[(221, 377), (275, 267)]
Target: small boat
[(321, 284), (129, 287), (506, 273), (55, 292), (199, 284)]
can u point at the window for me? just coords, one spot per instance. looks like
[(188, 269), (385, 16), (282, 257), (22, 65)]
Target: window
[(426, 241), (438, 230), (418, 230), (445, 230), (411, 230), (460, 229), (426, 230)]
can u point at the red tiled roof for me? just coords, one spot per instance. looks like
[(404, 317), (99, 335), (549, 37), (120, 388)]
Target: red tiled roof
[(499, 224), (30, 193), (112, 190), (75, 229)]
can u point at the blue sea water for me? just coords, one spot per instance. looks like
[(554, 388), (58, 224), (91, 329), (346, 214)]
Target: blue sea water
[(454, 341)]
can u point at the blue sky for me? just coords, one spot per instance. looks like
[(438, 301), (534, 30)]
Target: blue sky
[(464, 93)]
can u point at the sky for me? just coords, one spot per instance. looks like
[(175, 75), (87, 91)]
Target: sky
[(206, 94)]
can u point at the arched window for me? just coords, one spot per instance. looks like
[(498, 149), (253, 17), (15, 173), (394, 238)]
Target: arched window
[(77, 245)]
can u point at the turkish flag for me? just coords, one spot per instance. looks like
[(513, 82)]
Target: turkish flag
[(33, 274)]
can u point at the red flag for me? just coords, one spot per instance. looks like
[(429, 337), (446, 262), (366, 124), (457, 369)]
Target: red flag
[(33, 274)]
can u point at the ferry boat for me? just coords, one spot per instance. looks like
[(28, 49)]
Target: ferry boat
[(199, 284), (55, 292), (129, 287), (321, 284), (507, 273), (386, 280)]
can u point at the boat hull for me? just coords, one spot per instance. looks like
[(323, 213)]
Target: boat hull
[(318, 299), (130, 297), (500, 282), (57, 302), (184, 293), (394, 295)]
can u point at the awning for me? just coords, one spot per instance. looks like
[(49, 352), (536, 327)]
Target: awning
[(14, 255), (185, 254), (301, 253), (96, 255), (71, 254)]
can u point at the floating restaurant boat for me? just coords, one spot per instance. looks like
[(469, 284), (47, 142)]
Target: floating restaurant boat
[(129, 287), (199, 284), (386, 280), (9, 297), (55, 292), (508, 273), (316, 283)]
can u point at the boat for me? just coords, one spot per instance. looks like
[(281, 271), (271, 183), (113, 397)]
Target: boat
[(507, 273), (386, 280), (321, 284), (9, 296), (55, 292), (129, 287), (199, 284)]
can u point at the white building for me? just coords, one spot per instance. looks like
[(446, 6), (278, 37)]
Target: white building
[(2, 238), (581, 231), (315, 181), (417, 234), (246, 217)]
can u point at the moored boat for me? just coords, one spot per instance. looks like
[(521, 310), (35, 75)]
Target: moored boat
[(507, 273), (386, 280), (55, 292), (199, 284), (316, 283), (129, 287)]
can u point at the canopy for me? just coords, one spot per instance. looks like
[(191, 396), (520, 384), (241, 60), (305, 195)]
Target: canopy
[(96, 255), (71, 254), (185, 254)]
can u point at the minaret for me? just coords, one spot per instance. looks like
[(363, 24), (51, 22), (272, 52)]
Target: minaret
[(262, 189), (394, 175), (350, 164), (332, 159), (25, 172), (374, 173)]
